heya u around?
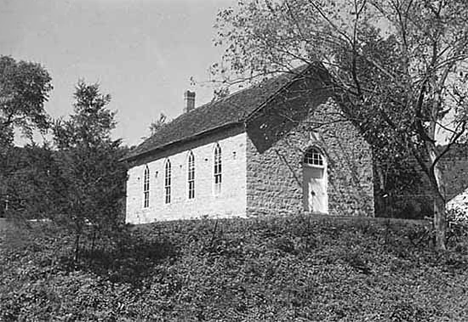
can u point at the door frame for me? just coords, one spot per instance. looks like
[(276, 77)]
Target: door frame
[(314, 158)]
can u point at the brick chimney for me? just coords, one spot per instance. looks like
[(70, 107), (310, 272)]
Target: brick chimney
[(189, 98)]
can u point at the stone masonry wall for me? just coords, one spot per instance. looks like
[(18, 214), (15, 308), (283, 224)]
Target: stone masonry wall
[(232, 200), (274, 177)]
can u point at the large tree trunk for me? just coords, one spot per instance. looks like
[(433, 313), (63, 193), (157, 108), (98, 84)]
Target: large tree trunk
[(440, 223), (439, 188)]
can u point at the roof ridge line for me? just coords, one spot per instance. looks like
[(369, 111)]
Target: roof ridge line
[(244, 89), (267, 100), (257, 96)]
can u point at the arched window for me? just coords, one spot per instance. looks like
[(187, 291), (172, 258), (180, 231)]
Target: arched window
[(167, 181), (217, 170), (191, 176), (146, 188), (313, 157)]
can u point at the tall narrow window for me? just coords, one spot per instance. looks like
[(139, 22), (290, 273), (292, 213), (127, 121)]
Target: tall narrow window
[(146, 188), (217, 170), (167, 181), (191, 176)]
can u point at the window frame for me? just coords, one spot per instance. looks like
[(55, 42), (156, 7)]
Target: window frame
[(167, 181), (314, 157), (191, 176), (146, 187), (217, 170)]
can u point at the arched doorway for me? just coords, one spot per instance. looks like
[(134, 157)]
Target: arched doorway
[(315, 181)]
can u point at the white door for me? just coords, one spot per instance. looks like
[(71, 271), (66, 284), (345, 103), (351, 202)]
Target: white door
[(315, 182)]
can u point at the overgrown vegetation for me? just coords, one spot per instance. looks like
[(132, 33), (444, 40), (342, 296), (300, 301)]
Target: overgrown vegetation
[(77, 181), (91, 175), (297, 268)]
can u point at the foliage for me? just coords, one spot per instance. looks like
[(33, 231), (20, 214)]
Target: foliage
[(399, 189), (158, 124), (458, 229), (398, 68), (261, 269), (220, 93), (90, 170), (24, 88), (31, 181)]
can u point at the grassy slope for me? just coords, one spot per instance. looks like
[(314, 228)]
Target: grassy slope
[(276, 269)]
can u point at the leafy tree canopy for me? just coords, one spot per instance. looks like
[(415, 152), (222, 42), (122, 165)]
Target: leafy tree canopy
[(398, 67), (24, 89), (88, 159), (30, 181), (91, 124), (157, 125)]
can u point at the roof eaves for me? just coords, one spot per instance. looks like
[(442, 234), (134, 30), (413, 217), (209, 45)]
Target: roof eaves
[(183, 140), (243, 120)]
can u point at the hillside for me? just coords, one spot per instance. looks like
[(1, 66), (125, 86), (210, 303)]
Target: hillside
[(274, 269)]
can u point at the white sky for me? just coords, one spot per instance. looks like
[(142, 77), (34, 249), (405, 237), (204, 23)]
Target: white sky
[(142, 52)]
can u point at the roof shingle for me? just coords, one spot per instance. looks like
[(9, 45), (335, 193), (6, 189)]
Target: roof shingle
[(233, 109)]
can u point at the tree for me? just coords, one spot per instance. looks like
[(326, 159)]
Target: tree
[(157, 125), (220, 93), (31, 181), (24, 89), (88, 159), (398, 67)]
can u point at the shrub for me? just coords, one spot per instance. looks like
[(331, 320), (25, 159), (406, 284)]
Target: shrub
[(457, 234), (263, 269)]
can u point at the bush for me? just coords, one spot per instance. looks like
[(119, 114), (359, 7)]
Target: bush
[(457, 235), (263, 269)]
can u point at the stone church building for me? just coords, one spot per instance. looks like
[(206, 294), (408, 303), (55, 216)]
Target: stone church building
[(279, 147)]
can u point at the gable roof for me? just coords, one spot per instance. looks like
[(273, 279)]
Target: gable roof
[(231, 110)]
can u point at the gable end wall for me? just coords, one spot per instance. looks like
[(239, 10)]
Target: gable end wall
[(274, 177)]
